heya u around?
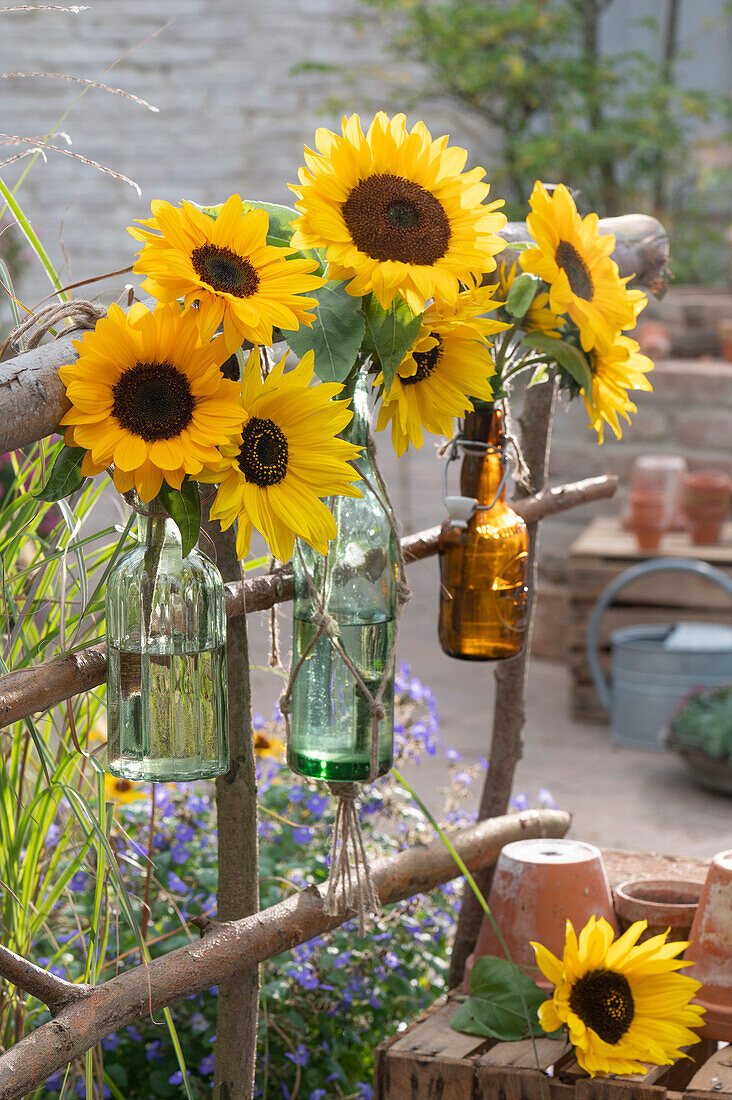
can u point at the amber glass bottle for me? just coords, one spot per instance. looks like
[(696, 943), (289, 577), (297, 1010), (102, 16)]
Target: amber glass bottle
[(483, 566)]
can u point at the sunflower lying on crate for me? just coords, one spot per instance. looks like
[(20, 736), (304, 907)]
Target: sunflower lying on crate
[(381, 267)]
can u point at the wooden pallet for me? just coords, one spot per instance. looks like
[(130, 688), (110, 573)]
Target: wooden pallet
[(603, 551), (430, 1061)]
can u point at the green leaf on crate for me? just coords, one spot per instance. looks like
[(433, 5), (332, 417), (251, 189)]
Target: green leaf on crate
[(336, 335), (65, 477), (501, 996), (393, 331), (566, 355), (184, 508), (521, 294)]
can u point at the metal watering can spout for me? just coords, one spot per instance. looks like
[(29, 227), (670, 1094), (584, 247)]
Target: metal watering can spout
[(653, 680)]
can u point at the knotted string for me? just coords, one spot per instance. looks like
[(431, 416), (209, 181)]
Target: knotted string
[(81, 312), (350, 886)]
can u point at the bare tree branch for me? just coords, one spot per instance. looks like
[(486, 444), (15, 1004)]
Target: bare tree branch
[(231, 947), (55, 992)]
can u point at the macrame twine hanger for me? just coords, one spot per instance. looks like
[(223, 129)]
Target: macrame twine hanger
[(82, 313), (350, 885)]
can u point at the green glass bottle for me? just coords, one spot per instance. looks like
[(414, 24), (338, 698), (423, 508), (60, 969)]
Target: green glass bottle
[(330, 720), (167, 718)]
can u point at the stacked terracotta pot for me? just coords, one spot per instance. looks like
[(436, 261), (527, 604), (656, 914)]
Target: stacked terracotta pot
[(705, 501)]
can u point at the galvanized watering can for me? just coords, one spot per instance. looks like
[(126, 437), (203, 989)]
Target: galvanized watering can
[(655, 667)]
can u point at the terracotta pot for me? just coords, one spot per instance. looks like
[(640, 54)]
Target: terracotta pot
[(711, 949), (705, 500), (664, 903), (538, 885), (648, 517)]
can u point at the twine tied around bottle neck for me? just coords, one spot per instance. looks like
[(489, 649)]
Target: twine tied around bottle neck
[(81, 312), (350, 885)]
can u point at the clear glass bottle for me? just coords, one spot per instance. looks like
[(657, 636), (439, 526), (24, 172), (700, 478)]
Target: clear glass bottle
[(167, 718), (483, 566), (330, 720)]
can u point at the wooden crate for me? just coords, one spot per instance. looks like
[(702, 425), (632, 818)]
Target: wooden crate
[(430, 1061), (603, 551)]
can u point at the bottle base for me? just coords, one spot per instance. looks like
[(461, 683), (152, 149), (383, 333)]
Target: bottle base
[(165, 770), (334, 771), (480, 656)]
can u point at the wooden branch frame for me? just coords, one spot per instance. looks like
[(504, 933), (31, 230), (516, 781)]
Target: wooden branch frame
[(29, 691), (231, 947)]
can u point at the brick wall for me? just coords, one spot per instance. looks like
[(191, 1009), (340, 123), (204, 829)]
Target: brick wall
[(232, 116)]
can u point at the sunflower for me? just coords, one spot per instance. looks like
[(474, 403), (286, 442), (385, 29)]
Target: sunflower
[(285, 459), (122, 791), (623, 1004), (264, 745), (538, 317), (147, 398), (571, 256), (449, 363), (614, 372), (395, 212), (227, 267)]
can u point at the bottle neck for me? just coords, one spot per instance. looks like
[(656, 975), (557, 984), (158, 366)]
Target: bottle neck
[(356, 389), (482, 471), (155, 527)]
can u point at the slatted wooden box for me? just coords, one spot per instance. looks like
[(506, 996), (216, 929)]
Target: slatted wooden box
[(603, 551), (430, 1061)]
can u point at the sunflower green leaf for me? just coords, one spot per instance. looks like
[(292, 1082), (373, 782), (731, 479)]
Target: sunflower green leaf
[(392, 331), (65, 477), (522, 293), (336, 335), (184, 508), (566, 355), (503, 1003)]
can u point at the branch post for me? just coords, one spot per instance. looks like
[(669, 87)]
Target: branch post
[(226, 949), (238, 883)]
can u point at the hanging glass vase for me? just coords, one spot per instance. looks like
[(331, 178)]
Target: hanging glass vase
[(483, 552), (167, 717), (331, 727)]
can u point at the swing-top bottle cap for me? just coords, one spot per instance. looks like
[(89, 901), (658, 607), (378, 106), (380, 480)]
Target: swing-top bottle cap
[(460, 509)]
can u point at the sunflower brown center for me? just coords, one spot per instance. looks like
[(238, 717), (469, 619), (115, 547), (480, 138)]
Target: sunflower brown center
[(390, 218), (154, 401), (263, 453), (580, 281), (603, 1000), (223, 270), (122, 785), (426, 362)]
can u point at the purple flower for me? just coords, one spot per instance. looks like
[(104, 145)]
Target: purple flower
[(391, 960), (546, 800), (484, 763), (342, 960), (207, 1064), (177, 1077), (54, 832), (54, 1081), (302, 834), (176, 883), (463, 779), (453, 756), (152, 1051), (198, 805), (301, 1057), (374, 1001), (199, 1022), (305, 976), (184, 833), (317, 804), (134, 1034), (297, 793), (519, 801), (317, 1094), (77, 882), (110, 1042), (366, 1092), (179, 853), (258, 721)]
